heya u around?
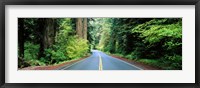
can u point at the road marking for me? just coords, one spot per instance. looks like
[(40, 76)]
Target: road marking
[(128, 63), (100, 63), (123, 61)]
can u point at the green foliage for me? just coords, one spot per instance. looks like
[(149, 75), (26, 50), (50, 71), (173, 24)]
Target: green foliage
[(117, 54), (76, 47), (158, 39), (150, 62), (129, 56), (174, 61), (31, 51), (36, 63), (65, 30), (158, 32), (58, 56), (53, 56), (30, 54), (164, 63), (65, 45)]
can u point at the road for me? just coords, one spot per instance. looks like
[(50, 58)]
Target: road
[(100, 61)]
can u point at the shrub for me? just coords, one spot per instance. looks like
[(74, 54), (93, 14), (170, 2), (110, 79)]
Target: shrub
[(149, 62), (30, 51), (174, 61), (131, 56), (53, 56), (76, 47)]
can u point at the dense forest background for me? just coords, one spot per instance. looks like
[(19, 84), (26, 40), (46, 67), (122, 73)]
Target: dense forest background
[(48, 41)]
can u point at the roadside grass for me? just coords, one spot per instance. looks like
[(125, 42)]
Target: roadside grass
[(88, 54), (43, 65), (162, 63)]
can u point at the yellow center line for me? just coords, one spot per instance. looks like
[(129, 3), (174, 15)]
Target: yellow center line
[(100, 63)]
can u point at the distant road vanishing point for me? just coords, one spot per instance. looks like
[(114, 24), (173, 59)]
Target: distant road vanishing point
[(100, 61)]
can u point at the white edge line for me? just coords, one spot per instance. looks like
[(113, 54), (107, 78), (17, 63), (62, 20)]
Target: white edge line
[(129, 64), (72, 64)]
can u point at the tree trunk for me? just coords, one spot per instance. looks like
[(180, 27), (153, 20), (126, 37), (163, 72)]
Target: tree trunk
[(79, 27), (85, 28), (41, 33), (49, 33), (21, 37)]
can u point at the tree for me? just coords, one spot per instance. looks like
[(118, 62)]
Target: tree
[(85, 28), (49, 32), (79, 27), (138, 38), (46, 41), (46, 33), (21, 37)]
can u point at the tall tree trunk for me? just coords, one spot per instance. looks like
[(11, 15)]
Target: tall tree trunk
[(49, 33), (79, 27), (41, 29), (55, 28), (85, 28), (21, 37)]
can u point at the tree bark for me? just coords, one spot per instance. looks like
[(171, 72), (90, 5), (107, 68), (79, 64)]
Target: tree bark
[(85, 28), (79, 27), (41, 33), (21, 37), (48, 33)]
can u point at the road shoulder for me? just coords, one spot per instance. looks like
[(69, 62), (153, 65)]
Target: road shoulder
[(138, 64)]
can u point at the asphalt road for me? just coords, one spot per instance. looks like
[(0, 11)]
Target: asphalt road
[(100, 61)]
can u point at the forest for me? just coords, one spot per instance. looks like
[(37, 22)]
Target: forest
[(48, 41)]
